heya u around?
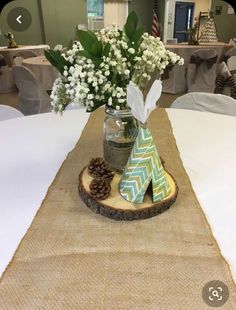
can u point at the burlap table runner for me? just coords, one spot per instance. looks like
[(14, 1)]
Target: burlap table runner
[(72, 258)]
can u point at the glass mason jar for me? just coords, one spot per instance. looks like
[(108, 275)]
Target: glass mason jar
[(120, 132)]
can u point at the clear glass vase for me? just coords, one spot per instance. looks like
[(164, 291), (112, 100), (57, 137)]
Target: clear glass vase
[(120, 132)]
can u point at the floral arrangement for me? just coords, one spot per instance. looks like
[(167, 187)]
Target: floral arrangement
[(97, 68)]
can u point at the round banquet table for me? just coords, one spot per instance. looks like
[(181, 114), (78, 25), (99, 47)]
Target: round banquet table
[(177, 81), (206, 143), (10, 53), (43, 70)]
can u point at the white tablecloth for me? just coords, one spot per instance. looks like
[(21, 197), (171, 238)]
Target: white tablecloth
[(9, 53), (177, 81), (43, 70), (34, 147)]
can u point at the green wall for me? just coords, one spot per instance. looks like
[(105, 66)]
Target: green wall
[(53, 21), (161, 14), (60, 19), (225, 23), (33, 35), (144, 9)]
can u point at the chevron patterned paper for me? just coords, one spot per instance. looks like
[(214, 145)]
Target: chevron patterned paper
[(144, 166)]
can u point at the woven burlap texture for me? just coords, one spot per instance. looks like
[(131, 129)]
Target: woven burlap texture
[(72, 258)]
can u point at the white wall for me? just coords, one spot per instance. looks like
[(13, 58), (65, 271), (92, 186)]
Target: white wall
[(200, 6), (115, 13)]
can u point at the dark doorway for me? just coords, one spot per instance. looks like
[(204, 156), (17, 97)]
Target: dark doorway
[(183, 20)]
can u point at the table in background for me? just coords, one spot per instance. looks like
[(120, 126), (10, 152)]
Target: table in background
[(41, 142), (10, 53), (43, 70), (177, 82)]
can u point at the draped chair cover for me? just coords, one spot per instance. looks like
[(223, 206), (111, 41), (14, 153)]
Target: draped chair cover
[(225, 81), (21, 55), (173, 81), (17, 61), (32, 98), (231, 63), (6, 80), (214, 103), (7, 112), (26, 54), (231, 52), (201, 73)]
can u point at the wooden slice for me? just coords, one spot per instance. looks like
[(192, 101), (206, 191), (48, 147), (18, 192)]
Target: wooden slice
[(116, 207)]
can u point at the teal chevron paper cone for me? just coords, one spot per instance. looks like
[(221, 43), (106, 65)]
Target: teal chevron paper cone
[(144, 166)]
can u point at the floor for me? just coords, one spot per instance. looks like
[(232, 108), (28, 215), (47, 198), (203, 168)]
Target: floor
[(11, 99)]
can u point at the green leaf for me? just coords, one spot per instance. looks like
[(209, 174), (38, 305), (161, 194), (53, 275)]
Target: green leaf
[(50, 58), (90, 43), (86, 39), (56, 59), (131, 24), (137, 35), (106, 49), (96, 49), (120, 33), (97, 61)]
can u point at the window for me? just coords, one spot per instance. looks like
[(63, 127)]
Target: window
[(95, 8)]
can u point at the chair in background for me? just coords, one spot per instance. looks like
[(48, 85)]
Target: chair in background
[(201, 73), (32, 98), (231, 52), (6, 80), (231, 63), (7, 112), (225, 83), (21, 55), (26, 54), (225, 57), (226, 79), (214, 103)]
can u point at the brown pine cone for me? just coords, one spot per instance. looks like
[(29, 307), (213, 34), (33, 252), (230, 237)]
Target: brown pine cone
[(99, 168), (108, 175), (100, 188)]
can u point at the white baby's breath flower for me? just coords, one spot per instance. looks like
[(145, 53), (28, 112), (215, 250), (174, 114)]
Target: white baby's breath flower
[(83, 81), (131, 50), (110, 101), (90, 96)]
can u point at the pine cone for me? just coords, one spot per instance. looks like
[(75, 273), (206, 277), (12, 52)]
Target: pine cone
[(100, 188), (108, 175), (98, 168)]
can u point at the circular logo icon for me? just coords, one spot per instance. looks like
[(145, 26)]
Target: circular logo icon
[(19, 19), (215, 293)]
